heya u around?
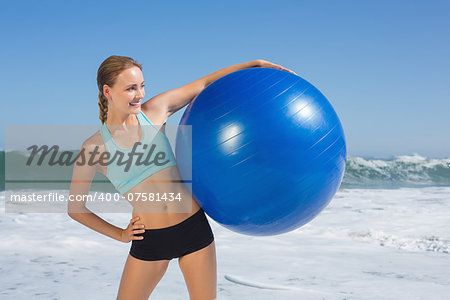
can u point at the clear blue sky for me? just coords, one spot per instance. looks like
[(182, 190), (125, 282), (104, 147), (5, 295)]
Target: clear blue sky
[(384, 65)]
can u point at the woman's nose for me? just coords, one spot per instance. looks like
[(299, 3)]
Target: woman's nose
[(140, 93)]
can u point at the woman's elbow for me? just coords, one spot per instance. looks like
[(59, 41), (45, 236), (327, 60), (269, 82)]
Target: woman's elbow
[(75, 208)]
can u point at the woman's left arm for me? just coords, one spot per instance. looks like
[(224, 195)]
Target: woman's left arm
[(173, 100)]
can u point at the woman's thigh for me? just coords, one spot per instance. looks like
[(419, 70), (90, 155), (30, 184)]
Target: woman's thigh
[(200, 272), (139, 278)]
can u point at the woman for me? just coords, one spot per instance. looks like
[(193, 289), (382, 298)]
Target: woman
[(159, 231)]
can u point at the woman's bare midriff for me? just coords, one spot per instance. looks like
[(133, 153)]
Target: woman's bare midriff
[(162, 200)]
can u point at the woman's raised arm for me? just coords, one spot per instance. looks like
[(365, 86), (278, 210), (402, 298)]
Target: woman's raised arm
[(173, 100)]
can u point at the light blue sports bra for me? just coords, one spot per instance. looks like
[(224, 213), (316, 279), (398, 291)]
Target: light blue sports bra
[(152, 154)]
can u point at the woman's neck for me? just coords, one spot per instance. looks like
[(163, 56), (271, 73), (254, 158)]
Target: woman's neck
[(121, 120)]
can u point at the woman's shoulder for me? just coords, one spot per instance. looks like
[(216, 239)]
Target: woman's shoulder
[(154, 113), (90, 147), (94, 141)]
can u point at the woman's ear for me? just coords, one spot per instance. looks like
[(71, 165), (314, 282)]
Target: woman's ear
[(107, 91)]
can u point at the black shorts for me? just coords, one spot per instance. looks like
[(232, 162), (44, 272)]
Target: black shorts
[(186, 237)]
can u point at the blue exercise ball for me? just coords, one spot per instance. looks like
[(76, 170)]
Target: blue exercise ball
[(265, 151)]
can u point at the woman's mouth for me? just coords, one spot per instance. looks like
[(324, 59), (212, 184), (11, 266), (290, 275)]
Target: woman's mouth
[(135, 104)]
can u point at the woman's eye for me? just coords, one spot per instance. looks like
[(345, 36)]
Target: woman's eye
[(132, 88)]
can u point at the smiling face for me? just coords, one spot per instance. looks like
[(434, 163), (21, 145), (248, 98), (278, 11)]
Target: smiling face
[(126, 95)]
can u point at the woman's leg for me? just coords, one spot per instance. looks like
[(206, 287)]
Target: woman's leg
[(200, 273), (140, 277)]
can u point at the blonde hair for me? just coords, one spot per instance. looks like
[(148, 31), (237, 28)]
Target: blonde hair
[(107, 74)]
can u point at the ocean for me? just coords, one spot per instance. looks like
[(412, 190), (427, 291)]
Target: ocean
[(383, 236)]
